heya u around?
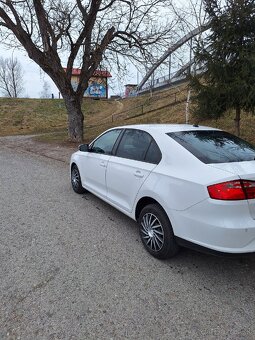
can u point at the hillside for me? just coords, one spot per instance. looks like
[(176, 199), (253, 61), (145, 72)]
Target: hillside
[(37, 116)]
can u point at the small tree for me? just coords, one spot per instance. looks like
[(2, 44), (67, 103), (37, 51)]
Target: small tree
[(11, 77), (46, 90), (227, 57)]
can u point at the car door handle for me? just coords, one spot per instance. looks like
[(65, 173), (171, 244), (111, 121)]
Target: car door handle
[(138, 174), (103, 164)]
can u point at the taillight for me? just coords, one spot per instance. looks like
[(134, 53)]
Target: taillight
[(232, 190), (249, 188)]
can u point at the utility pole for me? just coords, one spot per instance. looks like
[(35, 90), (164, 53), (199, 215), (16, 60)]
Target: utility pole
[(187, 107)]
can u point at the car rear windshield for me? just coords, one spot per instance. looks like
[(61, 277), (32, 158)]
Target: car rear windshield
[(212, 146)]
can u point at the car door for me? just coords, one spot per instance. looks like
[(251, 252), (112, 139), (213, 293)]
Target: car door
[(93, 164), (128, 169)]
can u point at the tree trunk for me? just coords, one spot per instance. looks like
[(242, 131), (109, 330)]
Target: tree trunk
[(75, 118), (237, 120)]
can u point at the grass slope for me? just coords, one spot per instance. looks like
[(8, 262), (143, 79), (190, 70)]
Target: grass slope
[(37, 116)]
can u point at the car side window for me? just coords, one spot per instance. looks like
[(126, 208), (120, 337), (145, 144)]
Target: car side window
[(153, 154), (105, 143), (134, 145)]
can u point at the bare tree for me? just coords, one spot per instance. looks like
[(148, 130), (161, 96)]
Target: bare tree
[(83, 33), (11, 77), (46, 90), (191, 15)]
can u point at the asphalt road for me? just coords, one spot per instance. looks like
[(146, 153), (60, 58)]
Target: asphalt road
[(72, 267)]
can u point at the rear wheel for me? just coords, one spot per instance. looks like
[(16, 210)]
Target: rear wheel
[(76, 180), (156, 232)]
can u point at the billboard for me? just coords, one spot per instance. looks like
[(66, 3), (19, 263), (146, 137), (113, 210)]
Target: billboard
[(97, 88)]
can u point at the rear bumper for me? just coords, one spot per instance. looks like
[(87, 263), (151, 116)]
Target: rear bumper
[(187, 244), (222, 227)]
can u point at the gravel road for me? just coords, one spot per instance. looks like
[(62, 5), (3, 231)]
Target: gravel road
[(72, 267)]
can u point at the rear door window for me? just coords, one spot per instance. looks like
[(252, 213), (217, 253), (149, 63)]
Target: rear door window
[(212, 146), (153, 154), (134, 145)]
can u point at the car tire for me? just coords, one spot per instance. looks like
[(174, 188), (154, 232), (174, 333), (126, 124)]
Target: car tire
[(76, 180), (156, 232)]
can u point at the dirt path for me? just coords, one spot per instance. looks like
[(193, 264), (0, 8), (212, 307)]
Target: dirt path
[(29, 144), (119, 107)]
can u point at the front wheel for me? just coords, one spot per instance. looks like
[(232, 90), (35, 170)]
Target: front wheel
[(156, 232), (76, 180)]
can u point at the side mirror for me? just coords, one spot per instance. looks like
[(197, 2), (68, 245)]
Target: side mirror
[(84, 147)]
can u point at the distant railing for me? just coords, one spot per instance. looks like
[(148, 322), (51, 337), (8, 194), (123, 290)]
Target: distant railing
[(141, 109), (163, 81)]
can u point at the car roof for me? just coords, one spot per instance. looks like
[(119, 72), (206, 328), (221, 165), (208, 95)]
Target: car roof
[(165, 128)]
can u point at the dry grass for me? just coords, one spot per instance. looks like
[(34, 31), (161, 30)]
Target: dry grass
[(36, 116), (31, 116)]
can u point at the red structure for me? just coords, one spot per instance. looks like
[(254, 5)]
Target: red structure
[(130, 90)]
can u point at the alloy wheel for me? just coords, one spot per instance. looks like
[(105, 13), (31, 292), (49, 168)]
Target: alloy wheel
[(75, 178), (152, 232)]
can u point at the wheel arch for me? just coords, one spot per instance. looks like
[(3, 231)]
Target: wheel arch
[(143, 202), (73, 164)]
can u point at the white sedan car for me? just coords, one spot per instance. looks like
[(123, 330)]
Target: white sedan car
[(185, 185)]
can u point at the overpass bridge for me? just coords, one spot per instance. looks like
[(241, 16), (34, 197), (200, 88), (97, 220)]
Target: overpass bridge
[(150, 82)]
